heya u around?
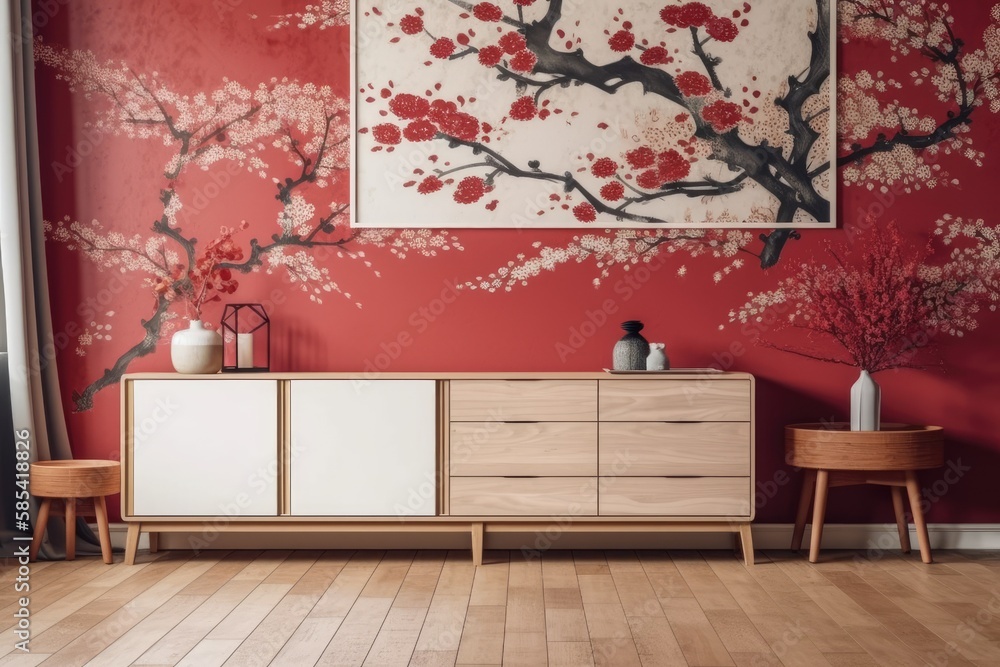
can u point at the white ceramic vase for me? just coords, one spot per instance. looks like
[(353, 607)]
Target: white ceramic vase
[(196, 350), (657, 359), (866, 404)]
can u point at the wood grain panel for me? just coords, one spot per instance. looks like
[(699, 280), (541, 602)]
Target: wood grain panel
[(524, 496), (523, 400), (684, 496), (675, 400), (835, 446), (495, 449), (666, 448)]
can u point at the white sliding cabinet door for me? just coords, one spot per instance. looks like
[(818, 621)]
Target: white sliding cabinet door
[(205, 448), (363, 448)]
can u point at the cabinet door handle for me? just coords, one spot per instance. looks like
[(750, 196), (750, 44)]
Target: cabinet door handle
[(521, 477), (522, 422)]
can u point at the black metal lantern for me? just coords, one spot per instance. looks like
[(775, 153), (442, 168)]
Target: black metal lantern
[(246, 338)]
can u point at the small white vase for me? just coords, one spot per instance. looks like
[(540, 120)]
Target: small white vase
[(196, 350), (866, 404), (657, 359)]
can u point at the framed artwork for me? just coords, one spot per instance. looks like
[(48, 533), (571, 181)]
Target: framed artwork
[(617, 114)]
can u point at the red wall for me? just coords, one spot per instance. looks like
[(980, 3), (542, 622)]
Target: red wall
[(193, 45)]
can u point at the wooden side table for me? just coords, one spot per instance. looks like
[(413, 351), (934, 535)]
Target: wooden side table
[(834, 455), (70, 481)]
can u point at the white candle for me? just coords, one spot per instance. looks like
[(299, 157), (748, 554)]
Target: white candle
[(244, 350)]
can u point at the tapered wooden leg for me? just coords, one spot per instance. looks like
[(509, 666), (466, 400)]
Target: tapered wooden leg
[(477, 544), (913, 490), (819, 512), (70, 505), (154, 542), (43, 519), (805, 500), (132, 542), (746, 540), (904, 531), (104, 531)]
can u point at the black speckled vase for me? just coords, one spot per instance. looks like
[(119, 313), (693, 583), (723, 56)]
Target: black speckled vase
[(631, 351)]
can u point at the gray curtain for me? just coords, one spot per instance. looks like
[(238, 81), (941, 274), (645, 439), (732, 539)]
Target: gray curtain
[(34, 399)]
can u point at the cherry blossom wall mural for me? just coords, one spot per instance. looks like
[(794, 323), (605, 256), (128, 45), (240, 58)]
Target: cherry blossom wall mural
[(623, 114), (293, 137), (206, 157)]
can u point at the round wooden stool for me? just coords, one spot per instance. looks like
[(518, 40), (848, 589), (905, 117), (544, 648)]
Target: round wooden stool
[(72, 481), (833, 455)]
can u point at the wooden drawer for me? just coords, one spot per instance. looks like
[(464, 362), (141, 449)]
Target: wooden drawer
[(647, 449), (523, 496), (523, 400), (675, 400), (494, 449), (675, 496)]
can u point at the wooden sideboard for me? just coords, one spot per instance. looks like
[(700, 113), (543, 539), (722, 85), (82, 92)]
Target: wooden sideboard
[(433, 452)]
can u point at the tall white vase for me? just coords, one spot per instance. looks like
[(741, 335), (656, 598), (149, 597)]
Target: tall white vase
[(866, 404), (196, 350)]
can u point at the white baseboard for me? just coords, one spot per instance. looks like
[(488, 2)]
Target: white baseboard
[(765, 536)]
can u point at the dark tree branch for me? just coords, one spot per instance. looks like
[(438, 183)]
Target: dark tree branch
[(257, 251), (789, 183), (800, 91), (690, 189), (946, 129), (84, 400), (709, 62)]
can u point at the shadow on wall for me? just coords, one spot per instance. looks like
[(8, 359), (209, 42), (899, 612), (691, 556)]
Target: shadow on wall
[(778, 484)]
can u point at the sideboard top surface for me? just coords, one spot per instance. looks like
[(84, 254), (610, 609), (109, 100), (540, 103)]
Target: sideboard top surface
[(362, 376)]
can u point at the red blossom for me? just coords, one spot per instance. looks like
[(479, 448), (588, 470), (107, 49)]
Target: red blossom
[(470, 190), (672, 166), (490, 56), (693, 84), (722, 29), (513, 42), (411, 24), (524, 61), (622, 41), (461, 126), (613, 191), (420, 130), (695, 14), (604, 168), (524, 3), (441, 110), (409, 106), (655, 55), (585, 212), (487, 11), (429, 185), (523, 108), (650, 180), (641, 157), (387, 133), (722, 115), (674, 15), (442, 48)]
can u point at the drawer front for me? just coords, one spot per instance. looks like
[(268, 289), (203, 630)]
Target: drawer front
[(495, 449), (523, 400), (523, 496), (675, 496), (645, 449), (675, 400)]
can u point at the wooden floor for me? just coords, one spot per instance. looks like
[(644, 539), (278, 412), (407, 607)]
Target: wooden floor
[(567, 608)]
